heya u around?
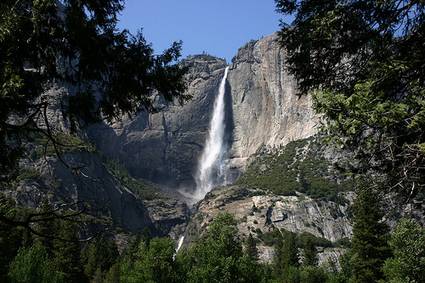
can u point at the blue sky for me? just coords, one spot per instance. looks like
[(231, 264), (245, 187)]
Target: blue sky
[(218, 27)]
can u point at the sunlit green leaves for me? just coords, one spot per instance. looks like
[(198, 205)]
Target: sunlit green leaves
[(408, 244)]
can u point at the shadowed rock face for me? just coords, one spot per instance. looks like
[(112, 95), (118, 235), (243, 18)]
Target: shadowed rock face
[(93, 190), (97, 187), (262, 110), (164, 147)]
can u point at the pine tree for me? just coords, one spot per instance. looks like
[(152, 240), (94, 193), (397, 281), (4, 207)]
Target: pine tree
[(151, 262), (363, 63), (408, 245), (313, 274), (290, 250), (251, 247), (74, 45), (33, 265), (218, 256), (286, 258), (309, 252), (46, 228), (66, 255), (101, 253), (370, 234), (97, 277), (113, 275), (11, 238)]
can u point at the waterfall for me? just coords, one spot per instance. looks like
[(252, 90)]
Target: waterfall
[(179, 245), (211, 167)]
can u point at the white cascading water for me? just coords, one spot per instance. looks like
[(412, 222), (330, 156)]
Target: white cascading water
[(179, 245), (211, 161)]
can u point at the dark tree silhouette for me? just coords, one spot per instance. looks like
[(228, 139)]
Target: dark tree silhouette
[(74, 44)]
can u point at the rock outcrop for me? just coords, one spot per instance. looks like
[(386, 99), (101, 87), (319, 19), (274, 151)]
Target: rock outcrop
[(259, 213)]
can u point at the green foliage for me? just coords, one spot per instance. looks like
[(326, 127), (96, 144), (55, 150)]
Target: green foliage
[(215, 256), (363, 62), (269, 238), (251, 247), (46, 228), (309, 252), (141, 188), (408, 245), (157, 263), (287, 266), (100, 254), (26, 174), (218, 256), (63, 143), (299, 167), (286, 252), (343, 242), (291, 274), (33, 265), (305, 238), (11, 238), (66, 252), (113, 275), (369, 244), (312, 274), (153, 262)]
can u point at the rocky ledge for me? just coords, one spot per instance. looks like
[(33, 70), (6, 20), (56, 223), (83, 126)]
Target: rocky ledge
[(259, 214)]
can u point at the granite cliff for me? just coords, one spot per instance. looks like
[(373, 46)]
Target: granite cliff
[(137, 165), (263, 114), (263, 111)]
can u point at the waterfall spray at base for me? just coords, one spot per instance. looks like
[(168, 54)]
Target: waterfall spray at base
[(211, 168)]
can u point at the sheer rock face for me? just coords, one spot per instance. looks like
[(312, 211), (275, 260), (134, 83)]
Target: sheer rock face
[(164, 147), (262, 111), (267, 111)]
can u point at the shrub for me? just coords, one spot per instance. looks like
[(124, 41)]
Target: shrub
[(286, 172), (143, 190)]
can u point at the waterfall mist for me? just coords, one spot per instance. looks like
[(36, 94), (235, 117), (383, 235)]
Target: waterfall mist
[(211, 168)]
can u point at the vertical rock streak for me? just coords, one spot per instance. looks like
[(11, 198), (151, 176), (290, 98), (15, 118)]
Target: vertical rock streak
[(210, 166)]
